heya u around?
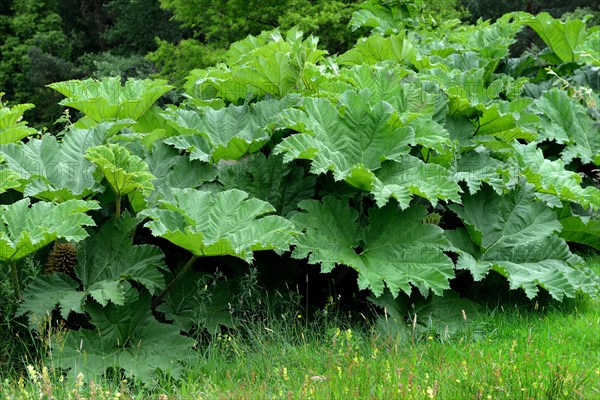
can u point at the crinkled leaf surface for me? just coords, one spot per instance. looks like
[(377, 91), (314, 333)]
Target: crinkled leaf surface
[(564, 120), (127, 337), (588, 51), (517, 236), (395, 250), (382, 17), (227, 133), (12, 127), (551, 177), (276, 74), (46, 292), (8, 179), (491, 41), (431, 136), (152, 127), (107, 99), (26, 228), (224, 223), (57, 171), (385, 81), (110, 256), (214, 86), (478, 167), (401, 180), (125, 172), (106, 291), (268, 42), (196, 145), (106, 260), (374, 49), (403, 252), (269, 179), (409, 96), (171, 171), (331, 233), (271, 64), (351, 141), (465, 89), (507, 121)]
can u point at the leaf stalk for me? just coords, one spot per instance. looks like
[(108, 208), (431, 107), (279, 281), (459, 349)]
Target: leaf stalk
[(118, 206), (15, 280), (178, 277)]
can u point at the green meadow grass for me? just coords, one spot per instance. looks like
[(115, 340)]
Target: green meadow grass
[(510, 352)]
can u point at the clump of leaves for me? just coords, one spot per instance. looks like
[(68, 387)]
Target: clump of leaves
[(114, 281), (26, 228), (343, 160)]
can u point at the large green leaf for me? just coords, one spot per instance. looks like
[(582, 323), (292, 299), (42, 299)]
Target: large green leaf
[(224, 223), (351, 141), (409, 96), (517, 237), (276, 74), (468, 48), (227, 133), (110, 256), (214, 86), (376, 48), (25, 229), (383, 18), (562, 37), (478, 167), (551, 178), (107, 260), (269, 64), (565, 121), (273, 63), (107, 99), (403, 252), (401, 180), (57, 170), (151, 127), (465, 89), (45, 293), (171, 171), (331, 233), (395, 250), (588, 51), (247, 49), (269, 179), (491, 41), (8, 179), (12, 127), (125, 172), (507, 121), (126, 337), (579, 229)]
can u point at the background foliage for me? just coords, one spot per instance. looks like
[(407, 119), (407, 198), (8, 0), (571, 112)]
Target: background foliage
[(48, 41)]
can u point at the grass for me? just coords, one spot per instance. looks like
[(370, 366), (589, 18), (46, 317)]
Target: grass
[(509, 352)]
